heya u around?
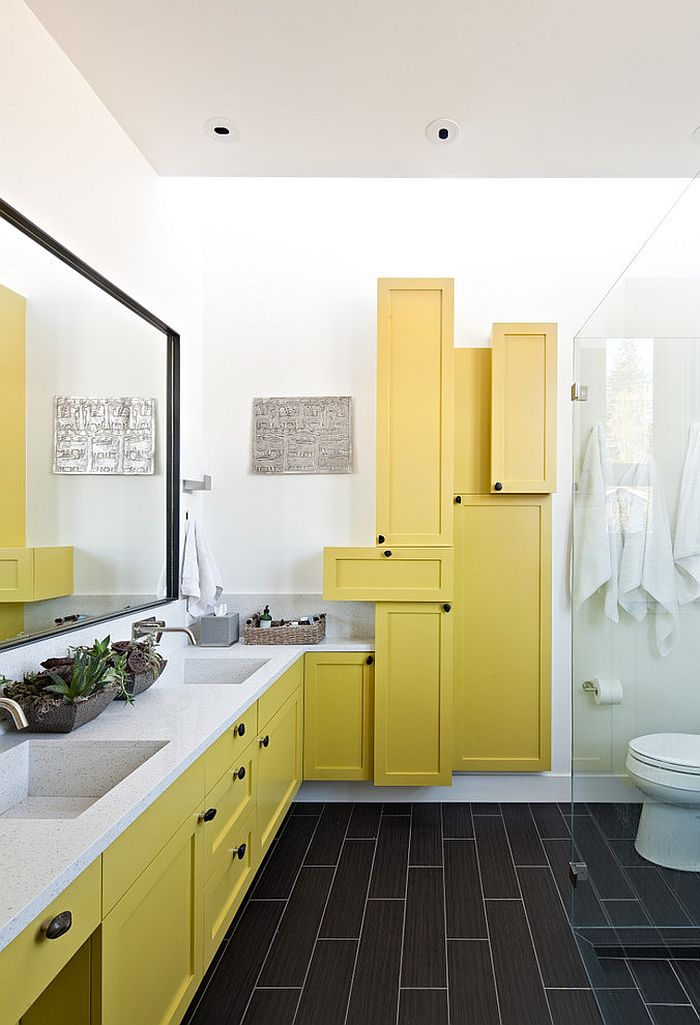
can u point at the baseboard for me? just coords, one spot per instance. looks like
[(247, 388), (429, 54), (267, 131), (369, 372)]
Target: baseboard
[(473, 787)]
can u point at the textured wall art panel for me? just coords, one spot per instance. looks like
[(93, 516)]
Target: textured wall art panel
[(104, 435), (302, 435)]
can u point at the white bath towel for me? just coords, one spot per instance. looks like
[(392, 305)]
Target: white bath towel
[(686, 547), (596, 527), (201, 581), (647, 580)]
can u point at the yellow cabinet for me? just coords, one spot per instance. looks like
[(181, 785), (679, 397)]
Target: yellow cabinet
[(152, 940), (68, 999), (33, 960), (279, 766), (338, 715), (413, 694), (227, 885), (233, 799), (388, 574), (502, 617), (35, 574), (472, 422), (415, 411), (524, 408)]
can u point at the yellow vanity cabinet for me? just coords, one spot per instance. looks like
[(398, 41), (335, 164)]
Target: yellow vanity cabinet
[(524, 408), (230, 878), (502, 619), (388, 574), (68, 999), (152, 940), (413, 694), (339, 715), (33, 960), (415, 411), (232, 799), (279, 761)]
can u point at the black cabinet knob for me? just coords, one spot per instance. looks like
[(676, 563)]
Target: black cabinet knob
[(458, 499), (240, 852), (58, 926), (380, 539), (447, 608), (498, 486), (208, 815), (265, 741), (239, 730), (240, 774), (370, 660), (387, 553)]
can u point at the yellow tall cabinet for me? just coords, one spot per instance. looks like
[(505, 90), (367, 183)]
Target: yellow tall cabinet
[(413, 694), (415, 411)]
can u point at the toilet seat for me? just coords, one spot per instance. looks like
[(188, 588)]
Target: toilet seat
[(672, 752)]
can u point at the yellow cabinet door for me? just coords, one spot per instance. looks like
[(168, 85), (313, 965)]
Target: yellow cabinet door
[(68, 999), (338, 715), (415, 411), (16, 574), (413, 694), (279, 767), (503, 614), (472, 422), (388, 574), (524, 408), (152, 940)]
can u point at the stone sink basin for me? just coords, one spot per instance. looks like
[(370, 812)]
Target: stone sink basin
[(221, 670), (59, 779)]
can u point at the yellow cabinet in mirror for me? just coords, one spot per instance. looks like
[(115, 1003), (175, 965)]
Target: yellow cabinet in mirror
[(34, 574)]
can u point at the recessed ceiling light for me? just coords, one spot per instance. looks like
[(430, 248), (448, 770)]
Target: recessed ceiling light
[(223, 128), (442, 130)]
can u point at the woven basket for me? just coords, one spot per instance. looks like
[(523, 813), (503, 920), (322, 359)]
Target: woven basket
[(312, 634)]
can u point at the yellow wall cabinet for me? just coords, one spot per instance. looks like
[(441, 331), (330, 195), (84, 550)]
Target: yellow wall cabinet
[(413, 694), (279, 761), (502, 680), (388, 574), (338, 715), (415, 411), (152, 950), (524, 408), (34, 574)]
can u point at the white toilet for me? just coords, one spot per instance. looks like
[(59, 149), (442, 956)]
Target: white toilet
[(666, 768)]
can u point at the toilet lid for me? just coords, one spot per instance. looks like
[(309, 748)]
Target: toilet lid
[(674, 751)]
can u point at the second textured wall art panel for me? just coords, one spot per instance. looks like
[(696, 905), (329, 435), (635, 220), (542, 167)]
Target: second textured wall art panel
[(302, 435)]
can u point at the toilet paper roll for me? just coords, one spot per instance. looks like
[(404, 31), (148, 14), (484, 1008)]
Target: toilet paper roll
[(607, 690)]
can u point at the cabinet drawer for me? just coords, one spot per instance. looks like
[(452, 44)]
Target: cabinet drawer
[(222, 754), (275, 697), (32, 960), (233, 797), (132, 852), (229, 882), (404, 574)]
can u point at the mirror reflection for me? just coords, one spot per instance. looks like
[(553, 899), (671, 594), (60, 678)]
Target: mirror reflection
[(83, 463)]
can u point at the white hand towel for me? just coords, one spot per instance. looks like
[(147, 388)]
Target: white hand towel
[(596, 527), (647, 570), (201, 580), (686, 548)]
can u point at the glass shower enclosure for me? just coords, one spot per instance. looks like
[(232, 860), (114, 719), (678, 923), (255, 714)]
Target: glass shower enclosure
[(635, 586)]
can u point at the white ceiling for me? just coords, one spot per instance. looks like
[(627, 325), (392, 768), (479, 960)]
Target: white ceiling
[(346, 87)]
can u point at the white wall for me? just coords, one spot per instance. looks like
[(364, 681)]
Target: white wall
[(68, 166), (290, 286)]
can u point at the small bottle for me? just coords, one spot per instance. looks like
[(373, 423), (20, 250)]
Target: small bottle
[(266, 618)]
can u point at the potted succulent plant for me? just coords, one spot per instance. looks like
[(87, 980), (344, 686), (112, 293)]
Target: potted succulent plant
[(70, 691), (143, 665)]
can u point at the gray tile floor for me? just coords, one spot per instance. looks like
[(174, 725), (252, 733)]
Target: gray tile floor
[(441, 914)]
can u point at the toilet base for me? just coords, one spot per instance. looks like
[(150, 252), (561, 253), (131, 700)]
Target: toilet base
[(669, 835)]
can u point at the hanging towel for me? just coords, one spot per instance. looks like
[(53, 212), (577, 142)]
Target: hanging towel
[(596, 527), (686, 548), (201, 580), (647, 571)]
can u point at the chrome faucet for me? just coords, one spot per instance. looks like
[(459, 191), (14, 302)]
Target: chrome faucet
[(14, 710), (153, 627)]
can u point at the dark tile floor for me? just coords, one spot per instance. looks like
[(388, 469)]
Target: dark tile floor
[(451, 914)]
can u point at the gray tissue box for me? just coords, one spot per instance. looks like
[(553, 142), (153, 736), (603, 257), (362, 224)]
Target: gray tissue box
[(218, 631)]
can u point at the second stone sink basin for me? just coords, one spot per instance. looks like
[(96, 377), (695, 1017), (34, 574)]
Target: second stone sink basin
[(221, 670), (59, 779)]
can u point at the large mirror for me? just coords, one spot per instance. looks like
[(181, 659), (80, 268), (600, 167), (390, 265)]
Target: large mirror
[(88, 443)]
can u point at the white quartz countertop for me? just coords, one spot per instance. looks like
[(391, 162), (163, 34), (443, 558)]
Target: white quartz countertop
[(40, 857)]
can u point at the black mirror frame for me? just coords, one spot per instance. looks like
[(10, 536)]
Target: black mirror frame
[(172, 446)]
